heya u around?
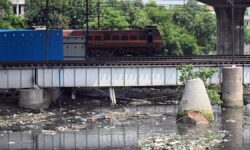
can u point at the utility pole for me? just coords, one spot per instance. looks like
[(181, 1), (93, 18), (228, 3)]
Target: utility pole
[(98, 14), (87, 28), (233, 32)]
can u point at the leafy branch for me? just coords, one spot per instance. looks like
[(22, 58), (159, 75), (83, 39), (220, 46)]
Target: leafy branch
[(187, 73)]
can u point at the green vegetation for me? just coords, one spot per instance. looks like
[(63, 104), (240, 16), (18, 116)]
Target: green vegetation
[(187, 72), (208, 114), (183, 28), (246, 35), (7, 19)]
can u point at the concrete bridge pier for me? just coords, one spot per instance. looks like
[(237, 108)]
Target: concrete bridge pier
[(34, 99), (38, 98), (224, 12), (232, 88), (224, 30)]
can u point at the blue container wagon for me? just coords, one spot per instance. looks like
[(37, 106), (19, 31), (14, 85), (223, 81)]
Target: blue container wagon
[(30, 45)]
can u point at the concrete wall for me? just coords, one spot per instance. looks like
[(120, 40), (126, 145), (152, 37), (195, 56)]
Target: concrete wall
[(18, 6)]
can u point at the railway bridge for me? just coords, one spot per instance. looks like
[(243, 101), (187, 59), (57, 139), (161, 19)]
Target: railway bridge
[(115, 72), (230, 20), (120, 72)]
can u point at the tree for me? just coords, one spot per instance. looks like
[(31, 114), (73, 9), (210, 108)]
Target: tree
[(7, 19), (141, 18), (112, 18), (58, 12), (246, 35), (177, 39), (199, 22), (71, 13), (188, 45), (126, 9), (5, 8)]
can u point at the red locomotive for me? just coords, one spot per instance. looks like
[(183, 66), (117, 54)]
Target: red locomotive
[(133, 42)]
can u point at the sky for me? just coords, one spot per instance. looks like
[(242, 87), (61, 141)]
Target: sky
[(176, 2), (168, 2)]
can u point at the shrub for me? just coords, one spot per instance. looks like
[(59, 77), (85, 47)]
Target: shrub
[(188, 73)]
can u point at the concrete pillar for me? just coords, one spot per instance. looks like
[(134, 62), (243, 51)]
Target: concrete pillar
[(33, 99), (232, 87), (195, 99), (224, 30), (112, 96)]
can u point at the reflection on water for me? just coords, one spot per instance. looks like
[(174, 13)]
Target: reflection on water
[(124, 135), (234, 121)]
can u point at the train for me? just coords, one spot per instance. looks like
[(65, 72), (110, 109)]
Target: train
[(31, 45), (134, 42)]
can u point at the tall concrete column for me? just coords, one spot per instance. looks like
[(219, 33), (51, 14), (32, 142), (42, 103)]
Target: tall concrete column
[(224, 30), (232, 88)]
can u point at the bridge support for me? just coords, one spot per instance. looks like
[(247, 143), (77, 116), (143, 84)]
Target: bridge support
[(112, 96), (225, 30), (232, 88), (34, 99), (195, 99)]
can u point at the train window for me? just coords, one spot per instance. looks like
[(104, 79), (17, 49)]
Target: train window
[(115, 37), (142, 37), (106, 37), (89, 38), (133, 37), (98, 38), (124, 37)]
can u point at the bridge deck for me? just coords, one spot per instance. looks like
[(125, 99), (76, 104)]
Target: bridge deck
[(99, 76)]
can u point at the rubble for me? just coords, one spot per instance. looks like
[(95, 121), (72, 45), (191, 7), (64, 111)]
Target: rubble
[(194, 139), (193, 117), (76, 115)]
